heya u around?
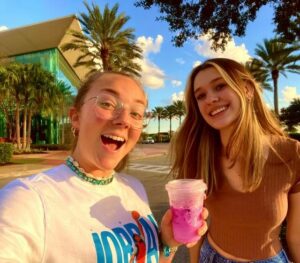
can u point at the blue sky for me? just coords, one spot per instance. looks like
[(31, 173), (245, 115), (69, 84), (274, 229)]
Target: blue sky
[(165, 67)]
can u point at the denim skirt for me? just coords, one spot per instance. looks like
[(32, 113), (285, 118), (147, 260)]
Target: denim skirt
[(209, 255)]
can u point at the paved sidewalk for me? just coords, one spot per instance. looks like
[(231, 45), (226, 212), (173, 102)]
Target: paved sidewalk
[(53, 158), (49, 159)]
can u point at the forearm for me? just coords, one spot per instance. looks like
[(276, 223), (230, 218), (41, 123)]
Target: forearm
[(166, 252), (194, 251), (294, 250), (293, 228)]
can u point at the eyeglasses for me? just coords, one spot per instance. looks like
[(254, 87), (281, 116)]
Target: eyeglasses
[(109, 107)]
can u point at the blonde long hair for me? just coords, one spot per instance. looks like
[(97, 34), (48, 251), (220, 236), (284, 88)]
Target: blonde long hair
[(196, 147)]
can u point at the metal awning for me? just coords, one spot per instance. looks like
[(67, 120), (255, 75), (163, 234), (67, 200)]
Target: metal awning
[(42, 36)]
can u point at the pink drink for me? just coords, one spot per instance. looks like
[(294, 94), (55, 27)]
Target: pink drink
[(186, 200), (186, 223)]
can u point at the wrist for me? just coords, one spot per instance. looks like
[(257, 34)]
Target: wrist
[(168, 251), (164, 248)]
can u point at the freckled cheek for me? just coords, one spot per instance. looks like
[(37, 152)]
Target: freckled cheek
[(94, 116), (99, 118), (87, 114)]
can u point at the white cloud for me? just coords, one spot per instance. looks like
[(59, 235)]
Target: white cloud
[(232, 51), (196, 63), (176, 83), (2, 28), (290, 93), (178, 96), (180, 61), (152, 76), (149, 45)]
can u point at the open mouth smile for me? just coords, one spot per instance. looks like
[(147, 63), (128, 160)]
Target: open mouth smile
[(112, 142), (218, 110)]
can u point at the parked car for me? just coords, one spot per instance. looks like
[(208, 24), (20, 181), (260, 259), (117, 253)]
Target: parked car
[(148, 140)]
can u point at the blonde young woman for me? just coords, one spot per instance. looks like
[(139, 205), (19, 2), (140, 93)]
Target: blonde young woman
[(230, 139)]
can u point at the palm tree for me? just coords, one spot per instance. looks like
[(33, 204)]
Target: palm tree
[(170, 113), (290, 116), (159, 113), (3, 90), (65, 100), (260, 74), (7, 104), (28, 94), (277, 57), (12, 85), (27, 89), (42, 98), (179, 109), (104, 43)]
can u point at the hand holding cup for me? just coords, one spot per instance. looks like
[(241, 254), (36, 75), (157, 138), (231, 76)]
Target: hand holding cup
[(186, 197), (167, 229)]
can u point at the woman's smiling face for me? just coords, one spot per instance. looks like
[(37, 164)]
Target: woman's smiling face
[(218, 104), (103, 143)]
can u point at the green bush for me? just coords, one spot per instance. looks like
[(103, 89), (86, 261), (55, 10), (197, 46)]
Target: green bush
[(51, 147), (6, 152)]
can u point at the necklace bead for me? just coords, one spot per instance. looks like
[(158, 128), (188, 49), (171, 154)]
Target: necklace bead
[(74, 166)]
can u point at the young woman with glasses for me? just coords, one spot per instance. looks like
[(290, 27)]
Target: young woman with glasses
[(231, 140), (86, 210)]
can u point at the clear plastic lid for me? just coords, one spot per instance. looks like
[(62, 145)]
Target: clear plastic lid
[(193, 185)]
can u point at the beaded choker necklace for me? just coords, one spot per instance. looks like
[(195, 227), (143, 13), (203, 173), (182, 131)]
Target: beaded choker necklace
[(83, 175)]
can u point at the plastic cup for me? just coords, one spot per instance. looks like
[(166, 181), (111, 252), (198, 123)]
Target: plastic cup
[(186, 198)]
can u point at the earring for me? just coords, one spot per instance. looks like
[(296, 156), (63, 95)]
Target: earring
[(74, 131), (249, 97)]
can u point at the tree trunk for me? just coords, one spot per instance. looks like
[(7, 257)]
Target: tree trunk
[(24, 128), (63, 125), (170, 127), (18, 125), (158, 134), (28, 139), (104, 55), (8, 125), (275, 75)]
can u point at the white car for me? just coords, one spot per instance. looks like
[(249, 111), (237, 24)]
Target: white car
[(148, 140)]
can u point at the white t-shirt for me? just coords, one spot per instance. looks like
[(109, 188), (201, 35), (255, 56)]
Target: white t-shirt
[(54, 216)]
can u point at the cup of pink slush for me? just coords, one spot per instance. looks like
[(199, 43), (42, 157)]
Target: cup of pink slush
[(186, 198)]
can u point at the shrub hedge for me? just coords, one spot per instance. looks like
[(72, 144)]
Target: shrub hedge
[(6, 152)]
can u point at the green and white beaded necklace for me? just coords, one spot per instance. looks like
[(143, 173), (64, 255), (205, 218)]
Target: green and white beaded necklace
[(83, 175)]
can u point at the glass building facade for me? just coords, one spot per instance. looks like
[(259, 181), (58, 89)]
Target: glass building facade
[(46, 130)]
